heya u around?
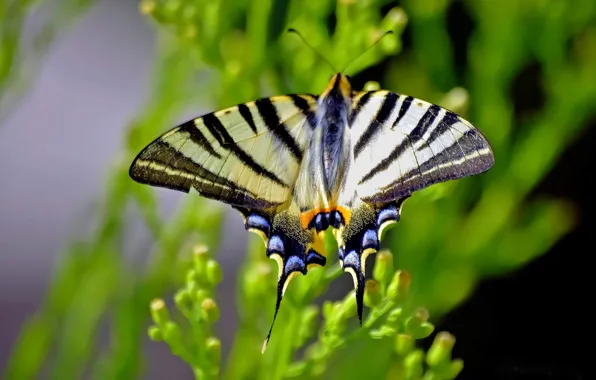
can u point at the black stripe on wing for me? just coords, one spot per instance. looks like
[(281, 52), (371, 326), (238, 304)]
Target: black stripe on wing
[(278, 129), (302, 104), (217, 129), (462, 149), (448, 120), (424, 123), (376, 123), (413, 138), (160, 164), (197, 137), (403, 109), (362, 101), (247, 116), (395, 154), (469, 155)]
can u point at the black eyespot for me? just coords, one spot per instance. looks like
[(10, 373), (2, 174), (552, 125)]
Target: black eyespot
[(320, 222), (336, 220)]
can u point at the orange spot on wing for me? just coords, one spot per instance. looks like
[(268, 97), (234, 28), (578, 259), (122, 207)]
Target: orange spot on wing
[(307, 216)]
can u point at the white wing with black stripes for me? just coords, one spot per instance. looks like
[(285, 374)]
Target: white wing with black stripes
[(399, 145), (247, 155), (402, 144)]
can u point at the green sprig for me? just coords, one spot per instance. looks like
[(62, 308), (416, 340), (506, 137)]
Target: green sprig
[(193, 340)]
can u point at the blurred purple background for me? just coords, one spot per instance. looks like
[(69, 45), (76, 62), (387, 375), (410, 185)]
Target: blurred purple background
[(55, 150)]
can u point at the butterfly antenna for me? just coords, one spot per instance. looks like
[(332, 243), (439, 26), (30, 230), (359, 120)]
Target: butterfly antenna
[(292, 30), (367, 49)]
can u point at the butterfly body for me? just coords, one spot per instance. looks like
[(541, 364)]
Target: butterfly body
[(296, 165)]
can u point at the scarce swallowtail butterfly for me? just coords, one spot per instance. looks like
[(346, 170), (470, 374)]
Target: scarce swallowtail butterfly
[(296, 165)]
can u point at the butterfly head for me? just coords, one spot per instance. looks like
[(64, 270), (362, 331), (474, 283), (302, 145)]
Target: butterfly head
[(339, 86)]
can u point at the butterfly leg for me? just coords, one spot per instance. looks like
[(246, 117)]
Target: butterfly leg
[(359, 237), (292, 247)]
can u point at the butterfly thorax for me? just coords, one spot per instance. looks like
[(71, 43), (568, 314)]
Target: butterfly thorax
[(324, 168)]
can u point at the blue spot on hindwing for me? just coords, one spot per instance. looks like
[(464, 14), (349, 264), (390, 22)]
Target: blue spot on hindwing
[(258, 222), (314, 257), (275, 245), (352, 260), (294, 264), (388, 213), (370, 240)]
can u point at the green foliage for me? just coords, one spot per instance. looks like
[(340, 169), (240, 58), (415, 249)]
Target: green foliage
[(198, 347), (391, 318), (489, 225), (451, 235)]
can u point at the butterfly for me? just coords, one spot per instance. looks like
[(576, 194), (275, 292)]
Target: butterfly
[(296, 165)]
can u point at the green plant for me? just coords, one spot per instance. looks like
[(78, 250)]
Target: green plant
[(392, 318)]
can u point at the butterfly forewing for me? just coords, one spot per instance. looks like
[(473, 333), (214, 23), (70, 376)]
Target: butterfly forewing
[(247, 155), (402, 144)]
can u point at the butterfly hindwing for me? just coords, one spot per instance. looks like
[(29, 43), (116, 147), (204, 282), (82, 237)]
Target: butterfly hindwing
[(247, 155), (402, 144), (360, 237), (295, 249)]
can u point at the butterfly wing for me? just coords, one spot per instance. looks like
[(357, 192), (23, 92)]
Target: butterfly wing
[(247, 155), (402, 144), (399, 145)]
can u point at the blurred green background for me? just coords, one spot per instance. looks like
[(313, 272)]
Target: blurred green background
[(522, 71)]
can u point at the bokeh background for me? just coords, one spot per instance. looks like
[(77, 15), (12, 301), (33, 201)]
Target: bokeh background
[(501, 261)]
